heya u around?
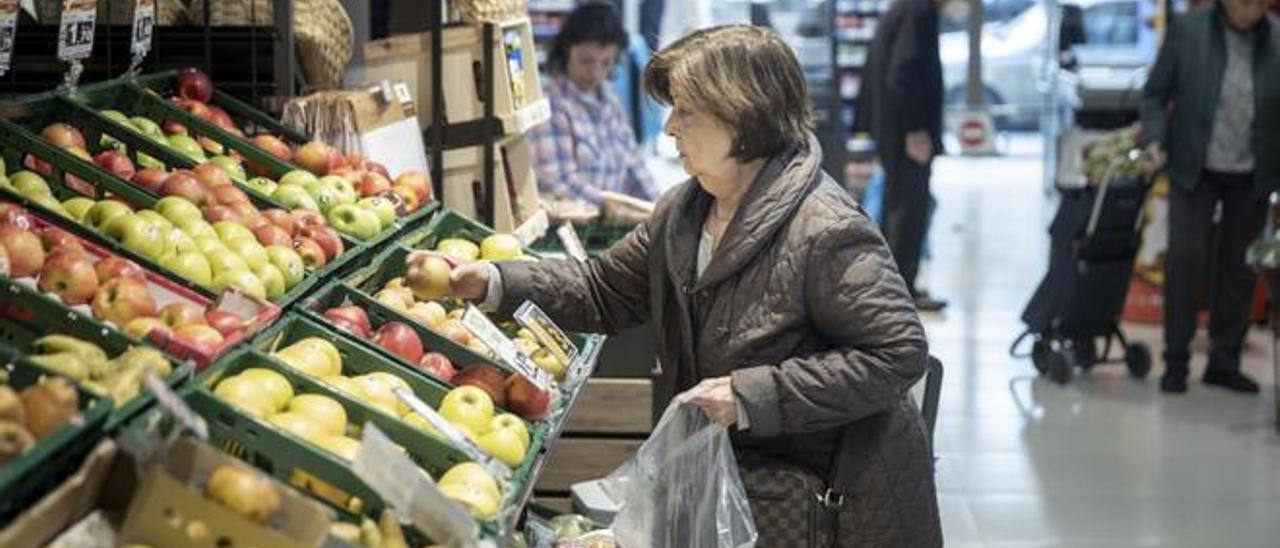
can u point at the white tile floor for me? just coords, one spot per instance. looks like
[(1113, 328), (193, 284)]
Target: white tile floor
[(1106, 461)]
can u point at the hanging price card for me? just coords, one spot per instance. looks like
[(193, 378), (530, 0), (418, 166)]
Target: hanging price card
[(546, 332), (144, 23), (75, 37), (508, 354), (572, 244), (8, 26)]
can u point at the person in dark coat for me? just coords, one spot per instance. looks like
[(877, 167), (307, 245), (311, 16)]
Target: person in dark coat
[(1212, 101), (774, 301), (901, 107)]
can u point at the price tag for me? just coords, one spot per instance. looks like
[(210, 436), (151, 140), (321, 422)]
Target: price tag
[(572, 245), (454, 435), (8, 27), (75, 37), (546, 331), (508, 354), (144, 23), (386, 469), (173, 404)]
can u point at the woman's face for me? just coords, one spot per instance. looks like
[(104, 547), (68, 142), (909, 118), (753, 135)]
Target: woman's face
[(590, 64), (704, 143), (1244, 14)]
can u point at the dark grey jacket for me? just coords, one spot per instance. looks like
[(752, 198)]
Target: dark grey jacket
[(1181, 96), (902, 89), (803, 307)]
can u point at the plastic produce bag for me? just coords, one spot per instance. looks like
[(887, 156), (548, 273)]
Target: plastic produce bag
[(682, 489)]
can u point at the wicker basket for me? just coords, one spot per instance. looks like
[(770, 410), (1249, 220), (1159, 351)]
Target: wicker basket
[(490, 11), (322, 31)]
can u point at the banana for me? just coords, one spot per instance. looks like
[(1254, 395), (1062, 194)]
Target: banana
[(91, 355), (65, 363)]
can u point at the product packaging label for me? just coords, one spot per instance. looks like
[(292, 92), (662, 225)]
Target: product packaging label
[(508, 354), (75, 37), (546, 332)]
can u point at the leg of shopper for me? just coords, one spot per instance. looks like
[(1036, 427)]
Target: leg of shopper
[(1243, 213), (1190, 223), (906, 209)]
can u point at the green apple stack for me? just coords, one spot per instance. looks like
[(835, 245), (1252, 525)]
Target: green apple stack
[(336, 198)]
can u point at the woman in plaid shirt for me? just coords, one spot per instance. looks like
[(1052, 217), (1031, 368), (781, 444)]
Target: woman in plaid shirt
[(588, 146)]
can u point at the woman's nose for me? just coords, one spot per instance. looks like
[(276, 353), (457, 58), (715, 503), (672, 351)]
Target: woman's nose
[(670, 127)]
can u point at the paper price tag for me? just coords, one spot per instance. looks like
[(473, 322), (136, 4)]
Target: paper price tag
[(402, 92), (454, 435), (546, 331), (8, 28), (173, 404), (384, 467), (144, 23), (572, 244), (482, 328), (75, 35)]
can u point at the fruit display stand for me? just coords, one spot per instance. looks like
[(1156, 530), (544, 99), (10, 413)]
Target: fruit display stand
[(245, 116), (24, 309), (47, 462)]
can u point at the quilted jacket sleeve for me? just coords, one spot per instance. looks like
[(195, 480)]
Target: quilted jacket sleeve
[(856, 300)]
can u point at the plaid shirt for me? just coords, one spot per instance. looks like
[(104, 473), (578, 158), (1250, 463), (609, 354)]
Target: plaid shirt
[(588, 146)]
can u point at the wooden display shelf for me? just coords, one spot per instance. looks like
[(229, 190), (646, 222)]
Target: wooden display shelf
[(515, 187)]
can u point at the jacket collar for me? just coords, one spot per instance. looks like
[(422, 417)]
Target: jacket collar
[(772, 200)]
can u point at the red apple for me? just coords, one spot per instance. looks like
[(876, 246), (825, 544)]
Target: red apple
[(211, 175), (114, 267), (122, 299), (269, 234), (328, 239), (26, 254), (194, 85), (311, 252), (229, 324), (438, 366), (183, 183), (202, 337), (274, 146), (70, 276), (150, 179), (485, 377), (179, 313), (220, 118), (81, 186), (15, 216), (313, 157), (418, 181), (352, 314), (353, 329), (303, 218), (229, 194), (353, 161), (172, 127), (378, 168), (280, 218), (407, 196), (372, 182), (401, 340), (4, 261), (215, 213), (62, 135), (526, 399), (143, 328), (37, 165), (53, 238), (115, 162)]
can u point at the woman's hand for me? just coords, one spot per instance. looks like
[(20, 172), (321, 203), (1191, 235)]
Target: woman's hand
[(468, 280), (715, 397)]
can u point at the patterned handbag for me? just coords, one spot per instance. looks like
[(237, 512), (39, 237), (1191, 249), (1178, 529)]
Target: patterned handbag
[(792, 507)]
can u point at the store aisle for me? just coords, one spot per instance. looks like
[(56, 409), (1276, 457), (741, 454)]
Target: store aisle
[(1103, 462)]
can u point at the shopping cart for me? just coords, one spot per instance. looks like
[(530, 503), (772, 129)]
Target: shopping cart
[(1094, 236)]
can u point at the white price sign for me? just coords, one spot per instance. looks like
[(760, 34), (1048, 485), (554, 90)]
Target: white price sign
[(144, 24), (479, 325), (546, 331), (8, 27), (75, 37), (385, 468), (572, 244)]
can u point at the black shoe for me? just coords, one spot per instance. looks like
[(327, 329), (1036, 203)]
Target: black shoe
[(1173, 383), (1231, 380)]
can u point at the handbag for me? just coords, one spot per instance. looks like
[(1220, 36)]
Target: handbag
[(791, 505)]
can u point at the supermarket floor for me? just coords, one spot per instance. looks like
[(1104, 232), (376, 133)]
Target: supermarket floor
[(1106, 461)]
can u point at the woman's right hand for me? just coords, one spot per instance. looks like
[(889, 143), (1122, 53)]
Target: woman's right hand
[(468, 280)]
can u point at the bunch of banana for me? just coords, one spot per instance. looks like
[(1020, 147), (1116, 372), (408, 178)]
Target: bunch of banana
[(86, 363), (384, 533)]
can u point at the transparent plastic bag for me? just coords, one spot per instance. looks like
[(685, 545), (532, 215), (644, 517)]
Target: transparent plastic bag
[(682, 489)]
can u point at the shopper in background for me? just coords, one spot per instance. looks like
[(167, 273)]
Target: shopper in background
[(1213, 102), (901, 107), (588, 145), (774, 302)]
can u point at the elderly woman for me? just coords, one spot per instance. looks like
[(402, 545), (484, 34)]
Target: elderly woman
[(774, 301)]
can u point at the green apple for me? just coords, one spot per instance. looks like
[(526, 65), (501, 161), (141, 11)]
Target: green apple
[(459, 248), (136, 234), (230, 165), (178, 210), (468, 407), (104, 211), (78, 207), (147, 162), (355, 221), (187, 146), (210, 245), (179, 241), (197, 228), (147, 127), (50, 203), (346, 191), (222, 263), (156, 218), (289, 263), (192, 266), (300, 177), (250, 250), (230, 230), (108, 141), (29, 184), (262, 185), (272, 280), (326, 198), (294, 196), (382, 207), (242, 279)]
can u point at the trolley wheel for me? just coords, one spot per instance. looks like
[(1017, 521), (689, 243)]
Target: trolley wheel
[(1137, 357), (1040, 351), (1060, 365), (1084, 352)]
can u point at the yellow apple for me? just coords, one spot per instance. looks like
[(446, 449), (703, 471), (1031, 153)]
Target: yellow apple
[(297, 424), (347, 386), (477, 503), (245, 394), (312, 364), (508, 421), (547, 361), (505, 445), (342, 446), (472, 475), (324, 411), (468, 407), (274, 383)]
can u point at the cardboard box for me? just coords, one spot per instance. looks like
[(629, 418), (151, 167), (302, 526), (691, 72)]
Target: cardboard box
[(378, 123), (106, 481), (515, 185)]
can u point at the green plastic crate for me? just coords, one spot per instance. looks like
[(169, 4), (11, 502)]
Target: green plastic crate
[(47, 463), (245, 115), (447, 224), (27, 315), (595, 237)]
